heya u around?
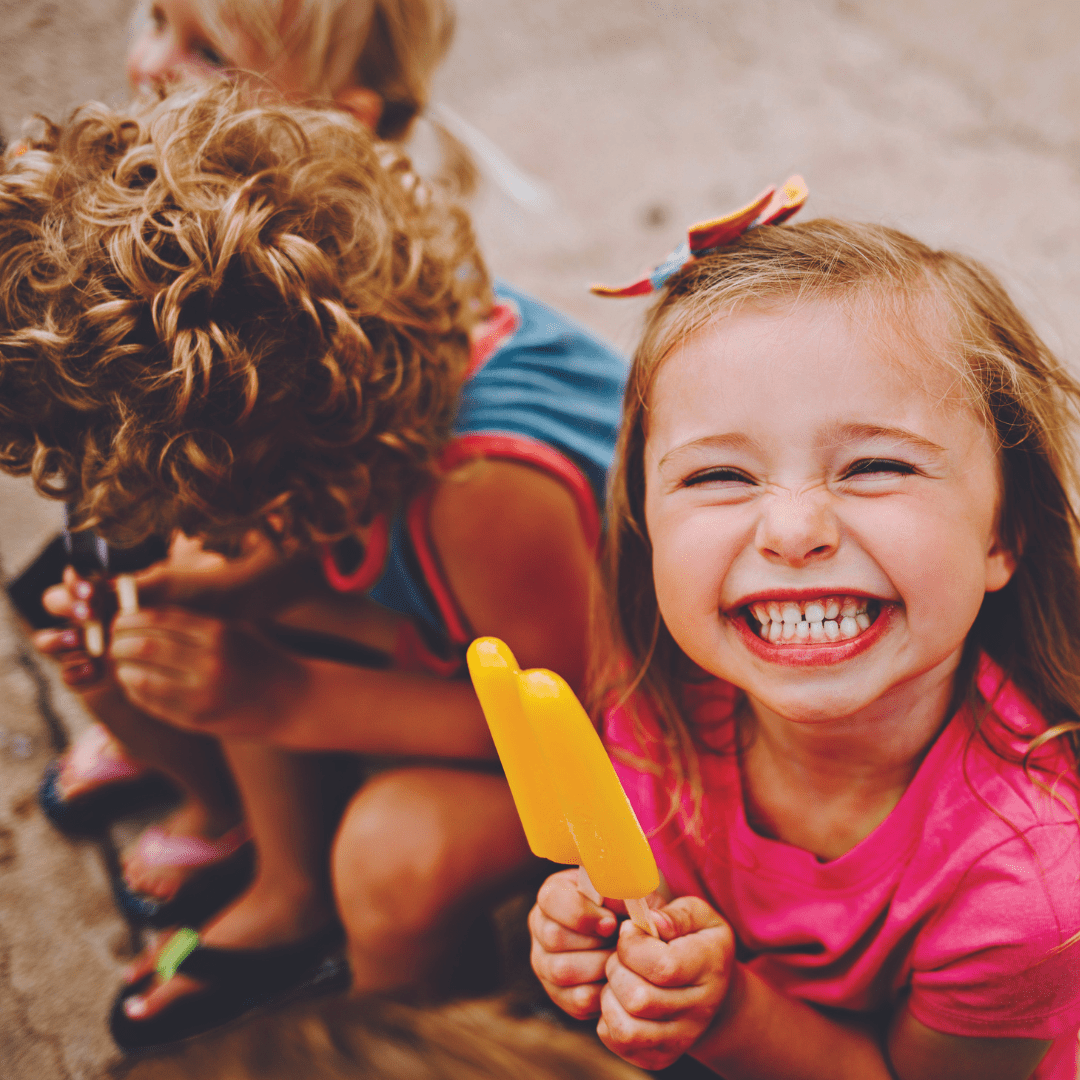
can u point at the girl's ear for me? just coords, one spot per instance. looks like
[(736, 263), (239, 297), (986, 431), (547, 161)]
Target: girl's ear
[(362, 102), (1000, 564)]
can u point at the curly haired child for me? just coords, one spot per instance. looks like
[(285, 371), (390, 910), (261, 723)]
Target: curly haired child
[(373, 58), (223, 318), (843, 578)]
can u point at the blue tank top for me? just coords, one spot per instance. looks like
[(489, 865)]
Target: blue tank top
[(540, 390)]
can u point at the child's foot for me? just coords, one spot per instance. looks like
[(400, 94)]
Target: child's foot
[(94, 760), (264, 917), (166, 857)]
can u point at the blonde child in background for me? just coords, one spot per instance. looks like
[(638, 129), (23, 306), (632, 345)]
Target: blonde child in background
[(224, 266), (849, 699)]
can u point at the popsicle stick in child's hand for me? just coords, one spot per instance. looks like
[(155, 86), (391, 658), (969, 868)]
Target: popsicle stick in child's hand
[(127, 594)]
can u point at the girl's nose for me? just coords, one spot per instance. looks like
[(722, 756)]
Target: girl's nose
[(153, 60), (797, 529)]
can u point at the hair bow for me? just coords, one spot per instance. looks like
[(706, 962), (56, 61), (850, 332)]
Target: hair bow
[(771, 207)]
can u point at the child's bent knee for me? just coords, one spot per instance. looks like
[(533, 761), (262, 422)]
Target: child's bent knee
[(392, 863)]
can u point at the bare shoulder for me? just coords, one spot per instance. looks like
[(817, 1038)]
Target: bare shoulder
[(514, 551)]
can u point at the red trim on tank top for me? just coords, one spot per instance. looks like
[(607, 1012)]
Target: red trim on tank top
[(371, 566), (504, 447), (503, 323)]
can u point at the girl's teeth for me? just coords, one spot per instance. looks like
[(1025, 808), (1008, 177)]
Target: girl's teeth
[(831, 619)]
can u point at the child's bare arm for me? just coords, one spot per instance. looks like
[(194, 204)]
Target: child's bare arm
[(654, 1008), (512, 546)]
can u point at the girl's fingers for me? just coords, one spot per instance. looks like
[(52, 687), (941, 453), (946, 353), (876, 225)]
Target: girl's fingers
[(560, 900), (645, 1000), (58, 642), (691, 956), (569, 968), (58, 600), (648, 1044), (580, 1002), (555, 937)]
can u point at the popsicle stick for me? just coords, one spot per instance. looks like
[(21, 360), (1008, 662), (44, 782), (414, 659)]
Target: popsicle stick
[(639, 914), (94, 637), (638, 910), (127, 594), (586, 887)]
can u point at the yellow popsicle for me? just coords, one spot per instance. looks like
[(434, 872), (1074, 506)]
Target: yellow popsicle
[(610, 843), (494, 672)]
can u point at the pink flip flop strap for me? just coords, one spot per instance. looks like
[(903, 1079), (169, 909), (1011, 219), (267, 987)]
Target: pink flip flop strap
[(157, 848), (96, 758)]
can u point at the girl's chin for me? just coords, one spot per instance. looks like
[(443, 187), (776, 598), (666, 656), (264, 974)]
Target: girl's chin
[(812, 654)]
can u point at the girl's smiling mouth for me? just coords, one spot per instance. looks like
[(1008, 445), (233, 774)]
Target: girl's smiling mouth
[(822, 629), (824, 619)]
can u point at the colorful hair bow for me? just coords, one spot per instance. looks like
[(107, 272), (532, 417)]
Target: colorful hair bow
[(771, 207)]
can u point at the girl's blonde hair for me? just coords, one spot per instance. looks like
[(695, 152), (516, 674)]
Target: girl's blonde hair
[(390, 46), (1027, 399), (216, 312)]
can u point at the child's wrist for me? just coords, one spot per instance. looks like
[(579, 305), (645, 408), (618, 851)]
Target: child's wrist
[(715, 1039)]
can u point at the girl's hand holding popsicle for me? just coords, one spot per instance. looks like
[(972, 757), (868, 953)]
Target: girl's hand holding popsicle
[(655, 997)]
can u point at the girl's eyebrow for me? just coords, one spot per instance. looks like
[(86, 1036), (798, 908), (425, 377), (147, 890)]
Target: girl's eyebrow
[(840, 434), (726, 441)]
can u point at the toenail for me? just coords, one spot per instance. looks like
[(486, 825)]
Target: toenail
[(83, 589), (135, 1007), (70, 639)]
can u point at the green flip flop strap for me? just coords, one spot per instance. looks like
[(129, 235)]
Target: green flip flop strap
[(177, 949)]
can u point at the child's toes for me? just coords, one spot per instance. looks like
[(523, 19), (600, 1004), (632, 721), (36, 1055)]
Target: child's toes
[(142, 1006)]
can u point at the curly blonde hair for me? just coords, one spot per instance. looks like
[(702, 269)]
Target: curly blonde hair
[(214, 310), (1027, 399)]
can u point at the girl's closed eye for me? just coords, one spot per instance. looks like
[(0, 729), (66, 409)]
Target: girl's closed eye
[(209, 55), (718, 475), (878, 467)]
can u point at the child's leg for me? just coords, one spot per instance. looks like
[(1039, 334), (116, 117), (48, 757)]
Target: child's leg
[(284, 805), (193, 763), (417, 851), (290, 898)]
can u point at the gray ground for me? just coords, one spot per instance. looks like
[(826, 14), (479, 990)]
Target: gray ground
[(957, 120)]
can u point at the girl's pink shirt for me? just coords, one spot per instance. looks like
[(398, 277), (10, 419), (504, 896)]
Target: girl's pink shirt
[(956, 901)]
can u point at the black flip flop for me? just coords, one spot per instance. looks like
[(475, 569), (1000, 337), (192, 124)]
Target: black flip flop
[(238, 982)]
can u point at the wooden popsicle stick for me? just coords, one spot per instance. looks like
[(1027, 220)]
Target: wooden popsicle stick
[(639, 914), (638, 910), (586, 887), (94, 637), (127, 594)]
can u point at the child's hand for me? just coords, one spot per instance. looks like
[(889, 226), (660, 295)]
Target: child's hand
[(77, 600), (661, 995), (196, 671), (570, 944)]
